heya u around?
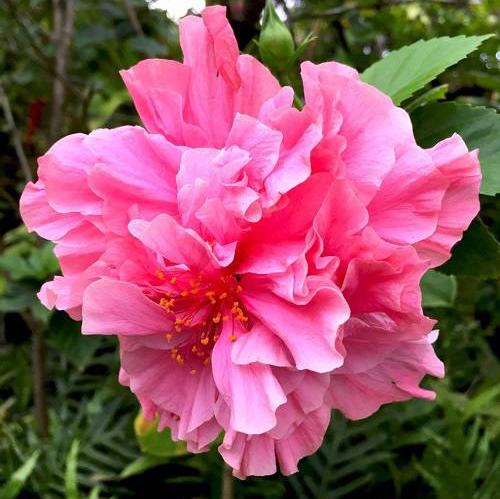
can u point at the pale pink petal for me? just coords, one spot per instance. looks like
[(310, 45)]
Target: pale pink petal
[(246, 387), (115, 307), (40, 217), (303, 441), (263, 346), (395, 378), (63, 170), (159, 89), (461, 200), (249, 455), (154, 375)]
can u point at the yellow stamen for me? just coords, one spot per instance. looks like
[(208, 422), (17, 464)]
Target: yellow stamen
[(168, 337), (173, 280), (160, 274)]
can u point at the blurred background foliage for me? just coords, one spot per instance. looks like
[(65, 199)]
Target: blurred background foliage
[(67, 429)]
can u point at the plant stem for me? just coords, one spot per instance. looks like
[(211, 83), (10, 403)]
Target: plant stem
[(227, 483)]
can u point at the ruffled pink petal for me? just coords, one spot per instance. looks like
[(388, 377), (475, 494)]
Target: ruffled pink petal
[(390, 285), (305, 439), (159, 89), (258, 89), (406, 208), (279, 239), (261, 142), (40, 217), (461, 200), (116, 307), (176, 244), (252, 455), (263, 346), (362, 115), (129, 191), (154, 376), (245, 387), (395, 378), (224, 42), (308, 327), (210, 104), (63, 170)]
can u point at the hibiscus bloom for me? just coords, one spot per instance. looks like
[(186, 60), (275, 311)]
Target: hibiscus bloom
[(260, 265)]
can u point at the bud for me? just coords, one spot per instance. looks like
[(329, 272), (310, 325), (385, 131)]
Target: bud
[(276, 45)]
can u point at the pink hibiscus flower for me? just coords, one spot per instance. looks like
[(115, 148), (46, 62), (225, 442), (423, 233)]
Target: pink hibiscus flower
[(260, 265)]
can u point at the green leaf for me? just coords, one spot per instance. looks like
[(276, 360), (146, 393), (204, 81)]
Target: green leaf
[(478, 126), (431, 95), (154, 442), (142, 464), (408, 69), (438, 290), (70, 476), (16, 482), (476, 255)]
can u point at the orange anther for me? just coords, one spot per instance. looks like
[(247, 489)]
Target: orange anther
[(173, 280)]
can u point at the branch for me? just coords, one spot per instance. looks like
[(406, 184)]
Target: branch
[(39, 373), (64, 17), (348, 7), (132, 15), (35, 43), (16, 136)]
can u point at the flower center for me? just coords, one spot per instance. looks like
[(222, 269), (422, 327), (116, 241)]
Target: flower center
[(199, 306)]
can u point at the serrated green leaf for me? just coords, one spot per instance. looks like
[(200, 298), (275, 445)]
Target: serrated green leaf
[(476, 255), (438, 290), (432, 95), (408, 69), (478, 126)]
